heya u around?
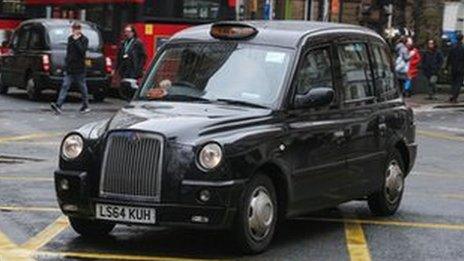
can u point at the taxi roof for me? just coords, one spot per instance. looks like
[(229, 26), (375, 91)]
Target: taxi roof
[(282, 33)]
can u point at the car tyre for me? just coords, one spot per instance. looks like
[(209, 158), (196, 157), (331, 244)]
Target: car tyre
[(99, 95), (387, 201), (257, 216), (3, 87), (91, 228), (33, 90)]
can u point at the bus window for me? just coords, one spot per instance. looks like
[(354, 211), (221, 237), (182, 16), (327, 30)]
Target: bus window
[(184, 9)]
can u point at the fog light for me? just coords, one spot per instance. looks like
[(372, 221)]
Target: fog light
[(205, 195), (68, 207), (200, 219), (64, 184)]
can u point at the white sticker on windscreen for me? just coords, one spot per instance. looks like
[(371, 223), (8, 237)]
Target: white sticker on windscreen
[(275, 57)]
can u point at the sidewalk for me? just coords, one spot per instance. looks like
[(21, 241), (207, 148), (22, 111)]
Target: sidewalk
[(420, 102)]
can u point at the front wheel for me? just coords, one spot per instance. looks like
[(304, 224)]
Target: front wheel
[(257, 216), (91, 228), (387, 201)]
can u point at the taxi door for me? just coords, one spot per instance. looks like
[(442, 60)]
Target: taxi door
[(317, 136), (360, 107)]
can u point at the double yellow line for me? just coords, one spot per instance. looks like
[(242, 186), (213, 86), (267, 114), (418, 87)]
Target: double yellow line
[(32, 136)]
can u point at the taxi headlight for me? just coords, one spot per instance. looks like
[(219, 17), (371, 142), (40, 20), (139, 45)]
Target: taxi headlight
[(72, 147), (210, 156)]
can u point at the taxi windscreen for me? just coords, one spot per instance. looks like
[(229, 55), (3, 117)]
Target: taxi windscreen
[(59, 37), (212, 72)]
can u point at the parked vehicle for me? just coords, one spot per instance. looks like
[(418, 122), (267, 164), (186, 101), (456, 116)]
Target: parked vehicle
[(241, 124), (37, 54)]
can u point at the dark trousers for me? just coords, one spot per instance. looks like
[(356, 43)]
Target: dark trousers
[(432, 85), (68, 80), (456, 82)]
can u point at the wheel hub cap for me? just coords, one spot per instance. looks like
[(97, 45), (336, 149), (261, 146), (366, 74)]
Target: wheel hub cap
[(394, 182), (260, 213)]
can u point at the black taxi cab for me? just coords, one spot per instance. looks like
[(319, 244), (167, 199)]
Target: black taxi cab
[(238, 125), (36, 58)]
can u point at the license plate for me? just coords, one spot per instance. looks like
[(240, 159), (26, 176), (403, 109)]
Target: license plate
[(125, 214), (88, 63)]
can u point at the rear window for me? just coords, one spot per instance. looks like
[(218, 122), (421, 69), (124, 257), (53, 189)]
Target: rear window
[(59, 37)]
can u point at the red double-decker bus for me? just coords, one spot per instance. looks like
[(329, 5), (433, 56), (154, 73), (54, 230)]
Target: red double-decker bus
[(12, 12), (154, 20)]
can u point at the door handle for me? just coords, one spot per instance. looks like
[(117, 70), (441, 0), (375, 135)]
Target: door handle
[(382, 126), (339, 134)]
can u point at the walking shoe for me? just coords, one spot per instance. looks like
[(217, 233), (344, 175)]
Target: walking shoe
[(56, 108), (84, 109)]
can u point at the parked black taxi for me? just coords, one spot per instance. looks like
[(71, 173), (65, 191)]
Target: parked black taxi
[(36, 60), (240, 124)]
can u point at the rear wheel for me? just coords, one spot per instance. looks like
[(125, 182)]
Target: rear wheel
[(33, 90), (91, 228), (99, 95), (387, 201), (3, 87), (257, 216)]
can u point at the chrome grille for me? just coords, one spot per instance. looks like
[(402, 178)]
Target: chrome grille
[(132, 165)]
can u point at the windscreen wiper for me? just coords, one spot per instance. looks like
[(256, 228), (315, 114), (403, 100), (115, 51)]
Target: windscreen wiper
[(183, 97), (243, 103)]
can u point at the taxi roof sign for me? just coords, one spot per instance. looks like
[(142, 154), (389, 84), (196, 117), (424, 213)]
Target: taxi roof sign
[(232, 31)]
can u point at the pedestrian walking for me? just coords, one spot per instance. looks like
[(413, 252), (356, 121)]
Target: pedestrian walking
[(432, 61), (131, 56), (74, 68), (402, 61), (413, 68), (456, 62)]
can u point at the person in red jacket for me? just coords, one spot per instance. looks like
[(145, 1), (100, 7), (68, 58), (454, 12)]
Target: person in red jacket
[(414, 63)]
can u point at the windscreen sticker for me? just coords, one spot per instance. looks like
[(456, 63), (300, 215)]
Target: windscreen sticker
[(275, 57), (248, 95)]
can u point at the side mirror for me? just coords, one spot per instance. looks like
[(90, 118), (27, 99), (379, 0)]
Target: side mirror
[(128, 87), (316, 97)]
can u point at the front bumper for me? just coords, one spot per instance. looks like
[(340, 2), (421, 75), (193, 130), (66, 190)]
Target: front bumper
[(79, 201)]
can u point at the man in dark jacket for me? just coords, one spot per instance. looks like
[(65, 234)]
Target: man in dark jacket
[(131, 56), (74, 68), (432, 60), (456, 61)]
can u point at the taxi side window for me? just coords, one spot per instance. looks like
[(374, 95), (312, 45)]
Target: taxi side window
[(36, 41), (23, 37), (315, 71), (383, 74), (356, 72)]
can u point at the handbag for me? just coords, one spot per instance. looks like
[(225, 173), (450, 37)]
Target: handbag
[(401, 66), (408, 85)]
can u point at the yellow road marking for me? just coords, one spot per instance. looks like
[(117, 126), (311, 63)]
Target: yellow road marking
[(5, 243), (30, 136), (439, 135), (103, 256), (42, 238), (437, 175), (29, 209), (356, 242), (435, 195), (388, 223), (14, 178), (10, 251)]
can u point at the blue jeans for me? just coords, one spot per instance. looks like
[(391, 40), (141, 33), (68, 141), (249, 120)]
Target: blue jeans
[(69, 79)]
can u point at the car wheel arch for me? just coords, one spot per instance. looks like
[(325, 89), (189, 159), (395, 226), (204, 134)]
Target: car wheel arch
[(403, 150), (281, 184)]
